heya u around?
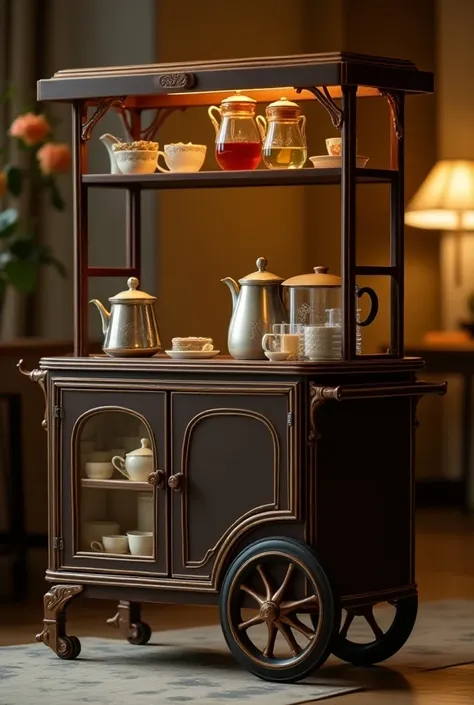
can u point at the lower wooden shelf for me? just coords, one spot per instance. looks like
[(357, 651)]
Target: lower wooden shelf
[(116, 485)]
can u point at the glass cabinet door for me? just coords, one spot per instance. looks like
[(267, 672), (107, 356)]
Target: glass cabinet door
[(113, 506)]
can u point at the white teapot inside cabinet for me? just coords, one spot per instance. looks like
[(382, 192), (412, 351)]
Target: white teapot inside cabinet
[(138, 464)]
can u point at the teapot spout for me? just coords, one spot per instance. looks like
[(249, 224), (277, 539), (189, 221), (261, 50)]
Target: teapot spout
[(108, 140), (104, 314), (234, 289)]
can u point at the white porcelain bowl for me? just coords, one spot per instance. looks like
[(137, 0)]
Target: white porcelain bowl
[(136, 161)]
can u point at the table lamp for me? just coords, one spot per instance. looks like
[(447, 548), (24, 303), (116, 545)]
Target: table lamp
[(445, 201)]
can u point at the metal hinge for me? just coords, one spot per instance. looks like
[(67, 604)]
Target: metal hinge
[(58, 543), (58, 412), (290, 418)]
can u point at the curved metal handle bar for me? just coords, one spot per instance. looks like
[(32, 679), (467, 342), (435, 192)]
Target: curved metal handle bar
[(39, 377), (360, 392)]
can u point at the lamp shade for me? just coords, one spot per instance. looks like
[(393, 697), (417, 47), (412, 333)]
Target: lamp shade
[(445, 200)]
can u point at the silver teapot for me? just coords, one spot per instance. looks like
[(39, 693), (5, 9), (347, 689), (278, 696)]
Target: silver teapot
[(130, 328), (257, 304)]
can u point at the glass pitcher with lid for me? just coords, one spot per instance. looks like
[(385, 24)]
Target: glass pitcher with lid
[(238, 144), (284, 135), (315, 300)]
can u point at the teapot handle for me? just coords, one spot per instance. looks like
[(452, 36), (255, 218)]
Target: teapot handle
[(160, 168), (374, 304), (262, 126), (119, 464), (215, 122), (302, 124)]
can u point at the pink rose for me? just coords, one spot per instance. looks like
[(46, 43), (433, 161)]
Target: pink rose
[(30, 128), (3, 183), (54, 158)]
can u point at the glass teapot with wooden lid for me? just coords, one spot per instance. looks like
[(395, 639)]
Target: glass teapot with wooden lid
[(315, 300), (284, 135), (238, 144)]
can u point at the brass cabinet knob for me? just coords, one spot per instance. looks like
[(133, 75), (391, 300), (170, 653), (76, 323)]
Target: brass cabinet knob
[(157, 479), (175, 481)]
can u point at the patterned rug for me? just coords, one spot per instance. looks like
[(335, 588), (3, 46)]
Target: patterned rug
[(193, 665)]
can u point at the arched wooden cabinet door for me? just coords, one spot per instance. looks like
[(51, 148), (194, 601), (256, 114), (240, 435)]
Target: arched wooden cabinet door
[(232, 470), (97, 494)]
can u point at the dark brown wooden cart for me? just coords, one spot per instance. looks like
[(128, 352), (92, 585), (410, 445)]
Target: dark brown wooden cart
[(283, 492)]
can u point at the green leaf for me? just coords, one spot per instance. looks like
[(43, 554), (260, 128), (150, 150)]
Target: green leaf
[(58, 266), (14, 180), (46, 257), (56, 198), (23, 248), (9, 219), (22, 275)]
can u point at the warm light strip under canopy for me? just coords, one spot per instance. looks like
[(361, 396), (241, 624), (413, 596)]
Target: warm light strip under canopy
[(445, 200)]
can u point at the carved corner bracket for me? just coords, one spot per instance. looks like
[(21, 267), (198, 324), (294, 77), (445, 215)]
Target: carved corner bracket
[(327, 101), (102, 108), (54, 633), (318, 396), (39, 377), (394, 100)]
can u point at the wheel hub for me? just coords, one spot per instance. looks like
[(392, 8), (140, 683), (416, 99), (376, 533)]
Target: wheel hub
[(269, 612)]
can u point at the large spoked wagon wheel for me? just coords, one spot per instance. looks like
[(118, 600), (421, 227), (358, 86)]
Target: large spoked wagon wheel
[(267, 598), (383, 633)]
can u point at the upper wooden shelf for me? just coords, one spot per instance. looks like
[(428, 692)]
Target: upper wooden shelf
[(222, 179), (265, 79)]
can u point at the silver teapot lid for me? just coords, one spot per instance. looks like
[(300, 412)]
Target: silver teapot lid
[(261, 276), (132, 294)]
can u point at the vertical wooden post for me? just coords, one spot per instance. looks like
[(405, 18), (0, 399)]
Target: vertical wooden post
[(80, 233), (133, 211), (397, 227), (348, 222)]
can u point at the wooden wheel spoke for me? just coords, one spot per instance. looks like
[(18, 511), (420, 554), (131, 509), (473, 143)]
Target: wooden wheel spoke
[(298, 605), (266, 582), (268, 651), (369, 617), (290, 639), (253, 594), (297, 624), (243, 626), (347, 623), (278, 596)]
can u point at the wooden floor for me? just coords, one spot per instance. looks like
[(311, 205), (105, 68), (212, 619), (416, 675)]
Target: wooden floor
[(445, 570)]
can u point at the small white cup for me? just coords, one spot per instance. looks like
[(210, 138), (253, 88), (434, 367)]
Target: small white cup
[(116, 543), (94, 530), (99, 470), (140, 543), (184, 158), (136, 161), (334, 146)]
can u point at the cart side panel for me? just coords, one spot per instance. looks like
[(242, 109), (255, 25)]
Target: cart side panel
[(364, 493)]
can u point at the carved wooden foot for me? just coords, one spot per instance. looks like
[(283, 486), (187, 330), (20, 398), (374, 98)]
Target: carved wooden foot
[(54, 622), (127, 620)]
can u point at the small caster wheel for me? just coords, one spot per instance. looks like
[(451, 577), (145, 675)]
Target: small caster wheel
[(142, 634), (381, 644), (283, 582), (70, 648)]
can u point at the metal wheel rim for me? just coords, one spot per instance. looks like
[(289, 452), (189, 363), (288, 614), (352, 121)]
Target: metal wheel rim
[(312, 604)]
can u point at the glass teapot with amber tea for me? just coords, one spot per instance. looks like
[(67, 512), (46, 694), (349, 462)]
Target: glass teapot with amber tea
[(238, 144), (283, 134)]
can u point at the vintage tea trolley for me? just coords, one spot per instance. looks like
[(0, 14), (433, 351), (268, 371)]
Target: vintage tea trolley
[(283, 492)]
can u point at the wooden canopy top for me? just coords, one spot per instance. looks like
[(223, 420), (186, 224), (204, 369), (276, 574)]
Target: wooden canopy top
[(266, 79)]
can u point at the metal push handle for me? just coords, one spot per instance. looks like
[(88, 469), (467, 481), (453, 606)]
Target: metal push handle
[(395, 390)]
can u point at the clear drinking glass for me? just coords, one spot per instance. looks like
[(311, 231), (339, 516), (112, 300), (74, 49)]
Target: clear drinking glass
[(291, 339), (334, 318)]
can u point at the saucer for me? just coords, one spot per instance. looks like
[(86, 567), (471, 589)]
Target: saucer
[(327, 161), (192, 354), (276, 356)]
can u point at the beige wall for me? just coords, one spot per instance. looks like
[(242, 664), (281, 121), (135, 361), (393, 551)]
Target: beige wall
[(205, 235)]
